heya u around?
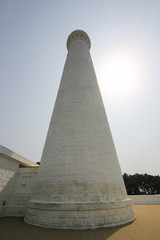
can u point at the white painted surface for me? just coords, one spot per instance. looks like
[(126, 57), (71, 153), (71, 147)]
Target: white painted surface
[(22, 188), (79, 163), (145, 199), (16, 157), (15, 183)]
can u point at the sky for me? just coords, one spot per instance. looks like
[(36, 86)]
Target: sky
[(125, 37)]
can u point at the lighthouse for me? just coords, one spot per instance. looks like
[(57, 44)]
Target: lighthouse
[(79, 184)]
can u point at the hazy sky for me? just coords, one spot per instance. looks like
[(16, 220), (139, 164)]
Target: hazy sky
[(125, 37)]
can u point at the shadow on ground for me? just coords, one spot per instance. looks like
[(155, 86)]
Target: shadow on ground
[(17, 229)]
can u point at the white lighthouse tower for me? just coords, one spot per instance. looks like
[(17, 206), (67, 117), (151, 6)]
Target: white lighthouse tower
[(79, 183)]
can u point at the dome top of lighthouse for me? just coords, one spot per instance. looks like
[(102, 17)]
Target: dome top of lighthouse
[(78, 34)]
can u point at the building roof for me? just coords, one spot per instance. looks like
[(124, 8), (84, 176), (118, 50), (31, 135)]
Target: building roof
[(12, 155)]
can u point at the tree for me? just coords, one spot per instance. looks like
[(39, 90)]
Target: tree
[(138, 184)]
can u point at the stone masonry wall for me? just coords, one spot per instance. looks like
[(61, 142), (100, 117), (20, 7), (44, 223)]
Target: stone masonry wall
[(15, 186), (8, 170), (24, 182)]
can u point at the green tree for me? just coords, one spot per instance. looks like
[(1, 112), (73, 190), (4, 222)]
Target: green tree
[(141, 184)]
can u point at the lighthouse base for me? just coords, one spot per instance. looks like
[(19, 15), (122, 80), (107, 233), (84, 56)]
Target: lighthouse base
[(79, 215)]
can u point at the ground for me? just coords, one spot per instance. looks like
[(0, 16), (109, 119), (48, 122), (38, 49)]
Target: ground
[(145, 227)]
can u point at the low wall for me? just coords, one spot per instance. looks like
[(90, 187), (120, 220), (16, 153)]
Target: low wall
[(15, 183), (145, 199), (16, 203), (8, 169)]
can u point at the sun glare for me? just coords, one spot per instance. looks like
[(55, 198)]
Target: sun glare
[(118, 78)]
